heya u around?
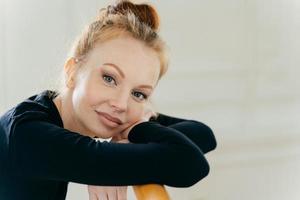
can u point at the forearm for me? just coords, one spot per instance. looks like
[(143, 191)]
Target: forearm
[(201, 134), (156, 154)]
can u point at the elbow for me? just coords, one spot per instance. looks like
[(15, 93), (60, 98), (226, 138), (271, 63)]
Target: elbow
[(199, 170), (208, 136), (213, 145), (194, 169)]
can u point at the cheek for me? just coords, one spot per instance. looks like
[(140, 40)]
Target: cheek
[(85, 95), (94, 92), (135, 112), (92, 96), (78, 95)]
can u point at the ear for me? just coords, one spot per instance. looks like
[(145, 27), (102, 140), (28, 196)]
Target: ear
[(70, 72)]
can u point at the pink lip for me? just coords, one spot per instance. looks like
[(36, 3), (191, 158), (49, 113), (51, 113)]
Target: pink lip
[(109, 117)]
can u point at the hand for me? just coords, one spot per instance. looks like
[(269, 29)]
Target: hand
[(107, 192), (122, 137), (118, 139), (146, 116)]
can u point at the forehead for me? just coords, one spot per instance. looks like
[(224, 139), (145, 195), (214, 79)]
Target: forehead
[(132, 56)]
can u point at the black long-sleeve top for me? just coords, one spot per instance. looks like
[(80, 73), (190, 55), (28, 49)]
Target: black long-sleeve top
[(38, 157)]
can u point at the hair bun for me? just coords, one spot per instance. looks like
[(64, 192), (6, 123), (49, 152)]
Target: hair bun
[(144, 12)]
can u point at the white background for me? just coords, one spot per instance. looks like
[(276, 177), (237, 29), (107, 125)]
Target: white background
[(234, 66)]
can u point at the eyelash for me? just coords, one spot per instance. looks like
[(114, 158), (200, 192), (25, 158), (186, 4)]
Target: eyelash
[(105, 76), (108, 76)]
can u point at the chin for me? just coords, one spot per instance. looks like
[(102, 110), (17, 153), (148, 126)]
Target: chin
[(104, 136), (103, 133)]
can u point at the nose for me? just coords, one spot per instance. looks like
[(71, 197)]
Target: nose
[(120, 102)]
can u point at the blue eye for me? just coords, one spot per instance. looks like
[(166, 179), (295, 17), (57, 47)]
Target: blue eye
[(108, 79), (141, 96)]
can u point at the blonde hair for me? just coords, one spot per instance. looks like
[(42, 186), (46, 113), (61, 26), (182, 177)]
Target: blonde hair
[(139, 21)]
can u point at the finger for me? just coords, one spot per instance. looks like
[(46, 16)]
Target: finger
[(123, 141), (102, 196), (112, 194), (147, 116), (126, 131), (116, 138), (122, 193), (92, 196)]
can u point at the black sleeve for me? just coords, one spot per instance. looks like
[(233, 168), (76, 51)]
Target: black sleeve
[(198, 132), (156, 154)]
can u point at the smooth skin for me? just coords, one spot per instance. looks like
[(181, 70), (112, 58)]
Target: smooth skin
[(117, 77)]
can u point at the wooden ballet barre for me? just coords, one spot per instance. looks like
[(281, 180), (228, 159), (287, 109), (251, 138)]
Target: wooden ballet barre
[(151, 192)]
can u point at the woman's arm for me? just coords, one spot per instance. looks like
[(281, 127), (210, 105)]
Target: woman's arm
[(198, 132), (156, 154)]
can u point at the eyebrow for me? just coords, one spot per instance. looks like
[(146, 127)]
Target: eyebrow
[(123, 76), (116, 67)]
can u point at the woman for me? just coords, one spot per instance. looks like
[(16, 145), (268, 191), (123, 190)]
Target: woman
[(48, 140)]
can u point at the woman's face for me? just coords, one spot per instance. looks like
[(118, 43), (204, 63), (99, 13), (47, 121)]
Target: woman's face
[(116, 81)]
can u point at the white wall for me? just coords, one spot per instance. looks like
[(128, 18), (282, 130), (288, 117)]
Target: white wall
[(2, 56), (234, 66)]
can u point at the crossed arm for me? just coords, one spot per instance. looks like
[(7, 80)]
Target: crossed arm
[(170, 150), (190, 128)]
